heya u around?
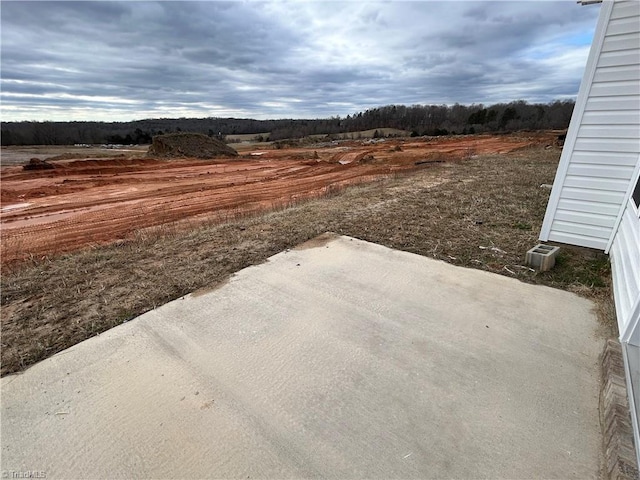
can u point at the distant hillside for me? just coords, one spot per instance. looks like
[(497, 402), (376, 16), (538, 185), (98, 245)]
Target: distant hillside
[(416, 120)]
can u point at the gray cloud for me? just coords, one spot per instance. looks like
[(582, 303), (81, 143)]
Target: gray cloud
[(131, 60)]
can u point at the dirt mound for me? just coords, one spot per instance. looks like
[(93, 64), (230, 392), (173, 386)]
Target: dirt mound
[(193, 145), (37, 164)]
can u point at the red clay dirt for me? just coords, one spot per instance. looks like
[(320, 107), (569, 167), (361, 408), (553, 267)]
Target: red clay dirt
[(94, 201)]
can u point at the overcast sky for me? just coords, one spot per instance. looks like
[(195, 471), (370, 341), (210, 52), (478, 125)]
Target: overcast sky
[(129, 60)]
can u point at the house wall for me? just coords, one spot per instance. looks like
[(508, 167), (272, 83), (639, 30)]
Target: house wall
[(625, 266), (603, 142), (592, 201)]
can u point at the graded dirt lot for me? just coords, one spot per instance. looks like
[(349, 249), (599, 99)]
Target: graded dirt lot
[(100, 199)]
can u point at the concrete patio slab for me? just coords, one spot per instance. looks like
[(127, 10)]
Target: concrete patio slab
[(339, 359)]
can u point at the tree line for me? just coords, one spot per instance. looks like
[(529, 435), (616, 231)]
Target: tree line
[(417, 119)]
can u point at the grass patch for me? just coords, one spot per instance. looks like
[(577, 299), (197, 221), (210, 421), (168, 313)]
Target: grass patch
[(482, 213)]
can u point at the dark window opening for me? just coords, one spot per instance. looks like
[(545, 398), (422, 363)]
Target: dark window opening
[(636, 194)]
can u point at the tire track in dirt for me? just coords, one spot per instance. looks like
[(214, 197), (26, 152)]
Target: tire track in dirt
[(108, 220), (83, 203)]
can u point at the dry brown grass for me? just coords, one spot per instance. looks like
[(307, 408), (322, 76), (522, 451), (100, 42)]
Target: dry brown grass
[(484, 213)]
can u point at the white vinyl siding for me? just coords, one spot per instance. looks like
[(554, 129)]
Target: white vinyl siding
[(603, 141), (625, 268), (620, 42), (625, 265), (617, 103), (604, 171), (604, 145), (586, 196), (588, 207), (614, 132), (608, 117), (591, 203)]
